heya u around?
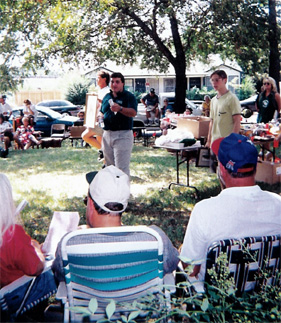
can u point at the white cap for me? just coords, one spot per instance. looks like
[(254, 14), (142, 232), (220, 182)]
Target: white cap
[(109, 185)]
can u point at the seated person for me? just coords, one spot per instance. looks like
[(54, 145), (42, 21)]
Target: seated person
[(112, 184), (24, 135), (81, 116), (166, 107), (151, 102), (206, 106), (241, 210), (30, 111), (188, 111), (6, 135), (19, 254)]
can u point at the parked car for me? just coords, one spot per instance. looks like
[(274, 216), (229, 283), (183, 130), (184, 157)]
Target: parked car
[(46, 117), (62, 106), (249, 103), (171, 96)]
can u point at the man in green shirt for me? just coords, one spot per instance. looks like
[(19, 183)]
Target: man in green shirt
[(118, 109)]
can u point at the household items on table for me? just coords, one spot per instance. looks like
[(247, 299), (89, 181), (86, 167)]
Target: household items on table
[(266, 137)]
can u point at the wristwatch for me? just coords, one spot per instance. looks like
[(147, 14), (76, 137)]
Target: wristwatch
[(121, 108)]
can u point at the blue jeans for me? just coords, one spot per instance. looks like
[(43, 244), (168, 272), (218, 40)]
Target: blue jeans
[(43, 287)]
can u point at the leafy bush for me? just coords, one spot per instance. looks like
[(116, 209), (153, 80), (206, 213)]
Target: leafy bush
[(76, 93), (198, 94), (245, 89)]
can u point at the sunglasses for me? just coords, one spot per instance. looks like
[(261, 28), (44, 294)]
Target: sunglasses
[(266, 83)]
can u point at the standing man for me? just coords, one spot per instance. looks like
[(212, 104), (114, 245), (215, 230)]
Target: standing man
[(151, 102), (93, 135), (118, 109), (225, 110), (5, 108)]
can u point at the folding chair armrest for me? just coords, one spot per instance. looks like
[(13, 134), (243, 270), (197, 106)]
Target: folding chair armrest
[(169, 282), (62, 293)]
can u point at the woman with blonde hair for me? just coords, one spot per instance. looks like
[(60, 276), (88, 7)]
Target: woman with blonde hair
[(268, 101), (20, 255)]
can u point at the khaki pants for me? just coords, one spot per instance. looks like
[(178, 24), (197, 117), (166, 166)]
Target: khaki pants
[(117, 148)]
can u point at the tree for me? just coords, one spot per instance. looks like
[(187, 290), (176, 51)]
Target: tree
[(247, 31), (273, 39), (155, 33)]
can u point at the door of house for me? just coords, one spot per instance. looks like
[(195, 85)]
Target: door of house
[(140, 85)]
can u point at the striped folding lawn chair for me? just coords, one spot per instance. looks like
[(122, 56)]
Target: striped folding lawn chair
[(117, 263), (247, 260)]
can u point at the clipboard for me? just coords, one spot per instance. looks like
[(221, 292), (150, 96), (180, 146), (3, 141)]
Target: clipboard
[(91, 110)]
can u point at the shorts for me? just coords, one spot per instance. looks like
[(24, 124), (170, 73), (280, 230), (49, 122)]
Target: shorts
[(97, 130)]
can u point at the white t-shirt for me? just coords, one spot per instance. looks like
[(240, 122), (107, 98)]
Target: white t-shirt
[(5, 108), (5, 126), (237, 212), (33, 109), (102, 92)]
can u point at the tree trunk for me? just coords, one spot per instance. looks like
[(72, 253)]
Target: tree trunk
[(181, 85), (274, 58)]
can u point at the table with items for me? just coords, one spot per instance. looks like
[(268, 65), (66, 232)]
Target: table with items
[(183, 155)]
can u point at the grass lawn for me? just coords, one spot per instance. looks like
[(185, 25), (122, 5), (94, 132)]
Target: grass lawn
[(54, 180)]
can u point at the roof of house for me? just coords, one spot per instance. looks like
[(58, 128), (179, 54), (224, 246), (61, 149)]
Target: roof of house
[(194, 69)]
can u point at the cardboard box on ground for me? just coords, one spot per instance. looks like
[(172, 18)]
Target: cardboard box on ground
[(198, 126), (268, 172)]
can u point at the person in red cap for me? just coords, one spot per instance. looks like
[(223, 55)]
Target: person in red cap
[(242, 209)]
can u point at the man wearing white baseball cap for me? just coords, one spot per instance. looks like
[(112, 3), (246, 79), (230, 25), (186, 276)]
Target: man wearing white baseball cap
[(108, 195)]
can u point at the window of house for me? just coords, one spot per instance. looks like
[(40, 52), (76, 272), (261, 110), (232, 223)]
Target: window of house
[(194, 81), (169, 85), (140, 85), (129, 84)]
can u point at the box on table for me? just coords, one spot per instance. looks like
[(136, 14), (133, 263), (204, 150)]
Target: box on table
[(268, 172), (198, 126)]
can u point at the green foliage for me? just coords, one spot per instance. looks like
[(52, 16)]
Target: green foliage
[(246, 89), (198, 94), (76, 93)]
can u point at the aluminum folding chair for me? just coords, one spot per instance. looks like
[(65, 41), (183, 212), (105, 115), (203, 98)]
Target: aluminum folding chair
[(118, 263)]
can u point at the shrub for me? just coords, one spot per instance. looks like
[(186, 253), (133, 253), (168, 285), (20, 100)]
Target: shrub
[(76, 93)]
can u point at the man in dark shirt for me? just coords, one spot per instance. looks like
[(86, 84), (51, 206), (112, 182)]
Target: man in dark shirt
[(151, 102), (118, 109)]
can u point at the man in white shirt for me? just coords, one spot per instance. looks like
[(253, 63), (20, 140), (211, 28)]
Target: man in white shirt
[(6, 135), (5, 108), (242, 209), (93, 135)]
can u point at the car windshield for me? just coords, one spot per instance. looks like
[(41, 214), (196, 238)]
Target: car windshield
[(50, 113)]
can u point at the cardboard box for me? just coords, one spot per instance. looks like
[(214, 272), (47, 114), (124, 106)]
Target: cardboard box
[(268, 172), (198, 126)]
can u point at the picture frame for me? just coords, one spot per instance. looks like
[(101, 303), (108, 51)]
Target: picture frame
[(91, 110), (203, 157)]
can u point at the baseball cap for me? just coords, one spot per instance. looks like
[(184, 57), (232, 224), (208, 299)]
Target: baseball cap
[(152, 90), (236, 151), (109, 185)]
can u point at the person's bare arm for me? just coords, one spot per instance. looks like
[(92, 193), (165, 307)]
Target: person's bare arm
[(196, 269), (128, 112), (40, 255), (278, 100), (236, 123), (209, 138)]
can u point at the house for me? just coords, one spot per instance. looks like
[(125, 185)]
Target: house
[(198, 74)]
